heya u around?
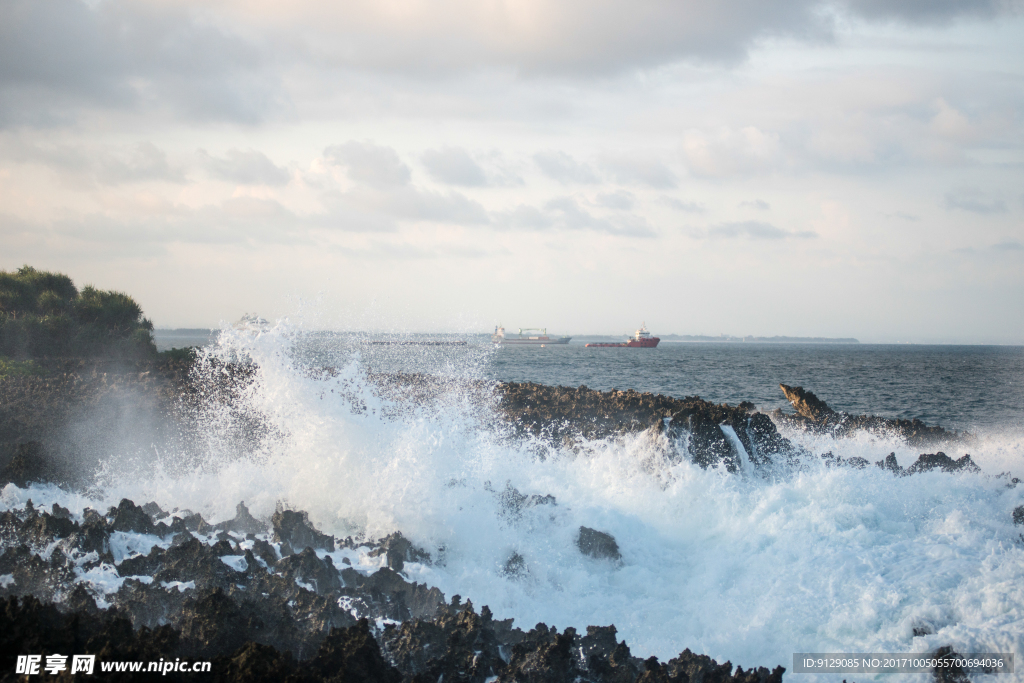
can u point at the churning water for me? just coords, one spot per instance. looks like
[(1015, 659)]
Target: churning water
[(744, 567)]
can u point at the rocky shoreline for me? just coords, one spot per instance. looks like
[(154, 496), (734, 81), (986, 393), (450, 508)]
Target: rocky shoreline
[(270, 604), (279, 600)]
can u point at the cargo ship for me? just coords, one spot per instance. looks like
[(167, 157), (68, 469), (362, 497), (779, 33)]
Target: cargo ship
[(542, 339), (641, 339)]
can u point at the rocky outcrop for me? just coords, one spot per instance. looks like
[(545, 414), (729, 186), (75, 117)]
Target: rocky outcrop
[(815, 415), (294, 532), (208, 599), (597, 544), (709, 434)]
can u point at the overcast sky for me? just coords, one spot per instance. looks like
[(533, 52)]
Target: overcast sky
[(793, 167)]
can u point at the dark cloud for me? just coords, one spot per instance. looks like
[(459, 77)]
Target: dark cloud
[(563, 168), (756, 230), (59, 55), (370, 164), (974, 200), (245, 167), (929, 11), (454, 166)]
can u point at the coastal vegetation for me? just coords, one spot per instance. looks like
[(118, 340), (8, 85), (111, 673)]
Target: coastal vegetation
[(43, 315)]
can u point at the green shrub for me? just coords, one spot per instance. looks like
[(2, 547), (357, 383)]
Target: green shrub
[(43, 315)]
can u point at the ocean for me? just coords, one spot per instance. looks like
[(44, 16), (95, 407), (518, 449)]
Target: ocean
[(749, 568)]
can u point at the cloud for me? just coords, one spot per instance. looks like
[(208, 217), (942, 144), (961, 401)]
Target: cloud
[(929, 11), (563, 168), (680, 205), (1008, 245), (974, 200), (565, 213), (571, 36), (370, 164), (755, 230), (107, 165), (570, 215), (758, 204), (245, 167), (620, 199), (730, 152), (454, 166), (640, 171), (59, 56)]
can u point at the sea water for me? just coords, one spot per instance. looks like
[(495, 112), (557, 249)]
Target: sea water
[(748, 567)]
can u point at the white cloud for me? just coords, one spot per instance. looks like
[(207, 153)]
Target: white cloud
[(245, 167), (640, 170), (370, 164), (454, 166), (756, 230), (728, 152), (563, 168), (974, 200)]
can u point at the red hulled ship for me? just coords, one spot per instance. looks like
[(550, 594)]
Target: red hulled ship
[(641, 339)]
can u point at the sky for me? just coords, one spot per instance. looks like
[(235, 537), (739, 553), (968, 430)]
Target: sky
[(797, 167)]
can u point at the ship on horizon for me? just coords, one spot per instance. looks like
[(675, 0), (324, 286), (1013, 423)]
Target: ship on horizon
[(542, 339), (641, 339)]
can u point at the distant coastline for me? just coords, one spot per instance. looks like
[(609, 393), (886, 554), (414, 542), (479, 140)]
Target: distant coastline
[(165, 337), (762, 340)]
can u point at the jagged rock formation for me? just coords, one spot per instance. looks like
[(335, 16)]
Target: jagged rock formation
[(262, 617), (563, 414), (814, 414)]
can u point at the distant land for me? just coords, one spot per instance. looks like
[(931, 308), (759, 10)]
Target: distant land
[(751, 338), (167, 338)]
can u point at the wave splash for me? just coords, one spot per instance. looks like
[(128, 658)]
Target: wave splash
[(748, 567)]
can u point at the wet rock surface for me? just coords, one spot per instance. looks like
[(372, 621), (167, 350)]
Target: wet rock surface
[(710, 434), (211, 597), (815, 415)]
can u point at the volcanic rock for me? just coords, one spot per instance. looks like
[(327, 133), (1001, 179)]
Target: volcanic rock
[(128, 516), (31, 463), (597, 544), (294, 532), (311, 570), (399, 550), (243, 522), (930, 461), (815, 415)]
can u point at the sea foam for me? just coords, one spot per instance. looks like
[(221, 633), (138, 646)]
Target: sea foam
[(749, 567)]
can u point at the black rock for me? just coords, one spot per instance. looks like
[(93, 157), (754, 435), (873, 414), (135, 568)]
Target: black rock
[(130, 517), (294, 532), (598, 544), (243, 522), (311, 570), (930, 461), (399, 550), (31, 463)]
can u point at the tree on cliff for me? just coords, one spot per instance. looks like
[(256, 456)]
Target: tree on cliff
[(43, 314)]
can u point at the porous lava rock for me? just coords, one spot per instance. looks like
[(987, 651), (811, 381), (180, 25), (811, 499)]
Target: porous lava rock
[(294, 532), (815, 415), (292, 619), (562, 414), (597, 544)]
